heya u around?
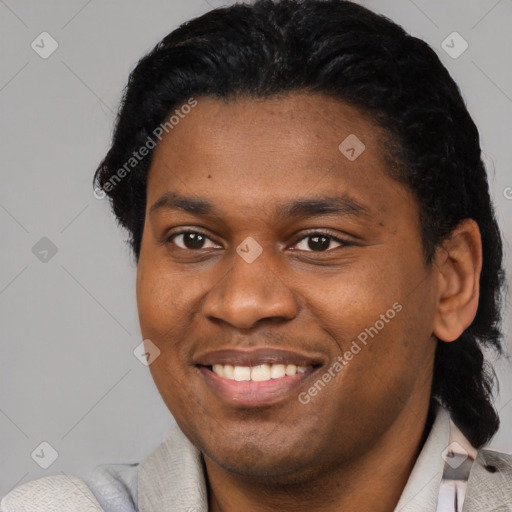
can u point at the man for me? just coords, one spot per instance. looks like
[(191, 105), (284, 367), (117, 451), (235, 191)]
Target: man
[(319, 267)]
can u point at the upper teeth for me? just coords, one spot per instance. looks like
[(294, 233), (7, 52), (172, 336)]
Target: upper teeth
[(257, 373)]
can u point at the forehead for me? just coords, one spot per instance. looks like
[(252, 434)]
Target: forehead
[(248, 151)]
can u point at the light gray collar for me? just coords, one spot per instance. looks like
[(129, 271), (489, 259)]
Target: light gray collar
[(422, 489), (171, 479)]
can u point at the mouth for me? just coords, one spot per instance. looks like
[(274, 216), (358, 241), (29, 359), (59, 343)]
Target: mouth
[(258, 373), (256, 378)]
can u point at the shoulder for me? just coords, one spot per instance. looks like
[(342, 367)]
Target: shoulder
[(496, 463), (115, 486), (51, 493), (110, 488), (490, 482)]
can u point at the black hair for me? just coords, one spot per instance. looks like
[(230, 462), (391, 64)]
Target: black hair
[(341, 49)]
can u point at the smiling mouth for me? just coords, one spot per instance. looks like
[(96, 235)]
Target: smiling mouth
[(256, 377), (261, 385), (258, 373)]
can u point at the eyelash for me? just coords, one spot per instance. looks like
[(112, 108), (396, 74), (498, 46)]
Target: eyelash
[(309, 234)]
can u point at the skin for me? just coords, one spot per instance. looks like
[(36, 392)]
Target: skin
[(367, 425)]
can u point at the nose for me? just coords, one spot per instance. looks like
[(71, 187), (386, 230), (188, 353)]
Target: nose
[(250, 293)]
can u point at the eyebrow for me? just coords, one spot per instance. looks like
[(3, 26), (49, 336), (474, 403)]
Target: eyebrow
[(325, 205)]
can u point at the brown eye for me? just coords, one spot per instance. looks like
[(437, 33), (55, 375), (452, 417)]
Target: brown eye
[(191, 240), (318, 242)]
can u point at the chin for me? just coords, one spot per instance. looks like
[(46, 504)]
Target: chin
[(284, 462), (280, 471)]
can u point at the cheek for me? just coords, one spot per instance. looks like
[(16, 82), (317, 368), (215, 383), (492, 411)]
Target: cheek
[(349, 300), (379, 314), (163, 301), (164, 316), (167, 303)]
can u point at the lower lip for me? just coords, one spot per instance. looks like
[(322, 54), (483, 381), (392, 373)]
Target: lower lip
[(255, 394)]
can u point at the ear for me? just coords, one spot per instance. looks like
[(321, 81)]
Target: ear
[(459, 262)]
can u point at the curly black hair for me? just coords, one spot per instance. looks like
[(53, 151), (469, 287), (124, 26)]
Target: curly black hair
[(341, 49)]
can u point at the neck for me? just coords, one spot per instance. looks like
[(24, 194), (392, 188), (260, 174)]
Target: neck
[(374, 481)]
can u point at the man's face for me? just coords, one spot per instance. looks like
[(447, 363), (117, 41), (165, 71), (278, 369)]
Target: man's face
[(272, 280)]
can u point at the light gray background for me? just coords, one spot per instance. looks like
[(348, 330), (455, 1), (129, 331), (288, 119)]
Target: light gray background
[(68, 375)]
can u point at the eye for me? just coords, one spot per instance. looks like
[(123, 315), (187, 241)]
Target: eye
[(319, 242), (191, 240)]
